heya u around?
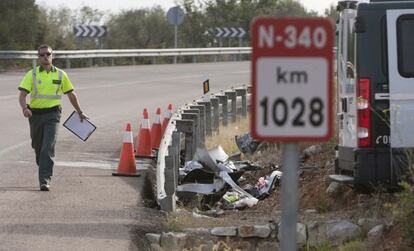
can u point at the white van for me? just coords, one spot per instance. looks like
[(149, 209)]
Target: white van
[(375, 92)]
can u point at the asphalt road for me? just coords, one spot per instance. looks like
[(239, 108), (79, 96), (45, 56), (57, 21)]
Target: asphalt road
[(87, 208)]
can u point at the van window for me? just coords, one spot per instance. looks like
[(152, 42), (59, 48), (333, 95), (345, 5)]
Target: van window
[(405, 43)]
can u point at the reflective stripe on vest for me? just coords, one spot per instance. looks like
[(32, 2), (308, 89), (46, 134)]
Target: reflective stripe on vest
[(44, 96)]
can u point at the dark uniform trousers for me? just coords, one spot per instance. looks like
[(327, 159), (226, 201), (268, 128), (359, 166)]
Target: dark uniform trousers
[(43, 131)]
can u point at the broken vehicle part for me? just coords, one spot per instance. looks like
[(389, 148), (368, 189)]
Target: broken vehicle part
[(247, 144), (203, 156), (210, 188), (218, 154)]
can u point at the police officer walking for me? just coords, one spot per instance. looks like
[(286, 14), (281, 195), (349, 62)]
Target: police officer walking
[(46, 84)]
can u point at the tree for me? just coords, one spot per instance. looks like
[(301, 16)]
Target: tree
[(230, 13), (143, 28), (87, 15), (19, 25), (57, 28), (332, 13)]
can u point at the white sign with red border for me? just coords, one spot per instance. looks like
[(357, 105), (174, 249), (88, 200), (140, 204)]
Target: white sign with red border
[(292, 79)]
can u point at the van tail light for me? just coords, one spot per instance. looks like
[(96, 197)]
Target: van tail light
[(364, 113)]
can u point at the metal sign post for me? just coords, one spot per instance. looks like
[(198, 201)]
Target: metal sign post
[(290, 202), (175, 16), (291, 96)]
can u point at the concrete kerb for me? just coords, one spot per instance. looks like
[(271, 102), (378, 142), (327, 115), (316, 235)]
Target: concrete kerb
[(186, 123)]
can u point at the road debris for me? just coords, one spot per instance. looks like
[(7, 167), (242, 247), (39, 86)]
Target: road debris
[(212, 174), (247, 144)]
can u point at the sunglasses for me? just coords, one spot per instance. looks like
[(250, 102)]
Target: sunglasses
[(45, 54)]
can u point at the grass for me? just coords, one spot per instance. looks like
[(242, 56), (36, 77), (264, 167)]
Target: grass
[(403, 212), (354, 246), (226, 136)]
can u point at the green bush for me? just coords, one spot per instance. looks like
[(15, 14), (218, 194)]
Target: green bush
[(403, 212)]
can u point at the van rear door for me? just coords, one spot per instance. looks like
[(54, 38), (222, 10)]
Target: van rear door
[(400, 26), (347, 120)]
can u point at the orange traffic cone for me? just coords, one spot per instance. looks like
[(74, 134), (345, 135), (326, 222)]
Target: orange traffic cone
[(144, 137), (127, 165), (156, 130), (167, 118)]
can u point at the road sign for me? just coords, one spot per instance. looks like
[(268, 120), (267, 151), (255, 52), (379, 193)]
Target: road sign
[(175, 15), (292, 79), (206, 86), (226, 32), (89, 30), (206, 90)]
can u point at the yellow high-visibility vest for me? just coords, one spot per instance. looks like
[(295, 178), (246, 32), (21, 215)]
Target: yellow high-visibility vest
[(46, 88)]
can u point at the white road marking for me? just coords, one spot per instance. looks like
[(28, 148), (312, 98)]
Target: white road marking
[(14, 147), (9, 97), (96, 165)]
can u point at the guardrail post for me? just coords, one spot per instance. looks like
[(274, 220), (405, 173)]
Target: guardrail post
[(90, 62), (194, 59), (112, 62), (202, 124), (216, 114), (187, 127), (154, 60), (207, 106), (197, 131), (168, 203), (232, 96), (224, 109), (176, 143), (243, 93), (67, 63), (133, 61)]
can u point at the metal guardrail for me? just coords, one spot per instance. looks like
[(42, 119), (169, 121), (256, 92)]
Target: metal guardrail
[(193, 122), (72, 54), (131, 53), (128, 53), (125, 53)]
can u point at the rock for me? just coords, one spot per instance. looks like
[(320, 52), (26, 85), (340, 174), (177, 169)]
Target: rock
[(375, 235), (301, 235), (312, 150), (262, 231), (198, 231), (224, 231), (153, 238), (200, 238), (343, 231), (368, 223), (311, 211), (268, 245), (173, 241), (332, 231), (156, 247), (334, 189), (200, 216), (274, 227)]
